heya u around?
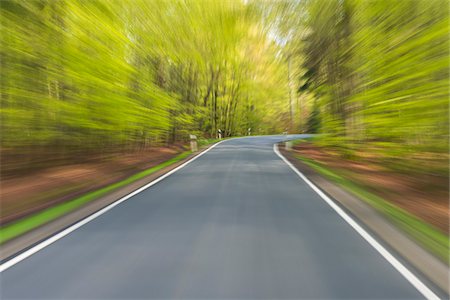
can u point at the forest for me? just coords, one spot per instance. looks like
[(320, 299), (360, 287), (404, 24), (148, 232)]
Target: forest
[(89, 77), (372, 77)]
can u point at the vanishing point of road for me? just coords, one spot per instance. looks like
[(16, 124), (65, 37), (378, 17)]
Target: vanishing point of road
[(235, 223)]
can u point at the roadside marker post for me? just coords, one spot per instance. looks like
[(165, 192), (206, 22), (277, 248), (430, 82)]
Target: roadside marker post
[(288, 145), (193, 139)]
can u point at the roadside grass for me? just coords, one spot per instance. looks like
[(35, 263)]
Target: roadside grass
[(425, 234), (22, 226), (205, 142), (299, 141)]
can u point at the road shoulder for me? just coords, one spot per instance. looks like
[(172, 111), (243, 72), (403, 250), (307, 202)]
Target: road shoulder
[(22, 243), (430, 267)]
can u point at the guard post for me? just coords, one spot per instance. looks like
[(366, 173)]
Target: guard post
[(193, 139), (288, 145)]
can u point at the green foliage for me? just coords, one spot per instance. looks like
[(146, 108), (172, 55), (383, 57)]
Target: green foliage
[(83, 77), (313, 123), (379, 72)]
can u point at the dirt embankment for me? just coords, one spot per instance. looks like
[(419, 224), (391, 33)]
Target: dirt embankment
[(425, 196), (26, 194)]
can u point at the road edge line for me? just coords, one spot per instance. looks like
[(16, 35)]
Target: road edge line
[(15, 260), (404, 271)]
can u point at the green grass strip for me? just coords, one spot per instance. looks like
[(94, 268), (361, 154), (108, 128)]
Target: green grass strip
[(24, 225), (429, 237), (205, 142)]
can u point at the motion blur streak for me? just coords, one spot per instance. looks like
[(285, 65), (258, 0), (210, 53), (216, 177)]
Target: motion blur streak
[(95, 92), (87, 81)]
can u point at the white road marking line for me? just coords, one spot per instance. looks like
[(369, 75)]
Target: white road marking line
[(8, 264), (419, 285)]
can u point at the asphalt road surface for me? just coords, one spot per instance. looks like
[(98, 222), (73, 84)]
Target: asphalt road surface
[(235, 223)]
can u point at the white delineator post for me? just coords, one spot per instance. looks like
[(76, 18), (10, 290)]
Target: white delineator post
[(288, 145), (193, 139)]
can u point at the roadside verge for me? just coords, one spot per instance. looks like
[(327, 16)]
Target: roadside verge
[(433, 269), (70, 220)]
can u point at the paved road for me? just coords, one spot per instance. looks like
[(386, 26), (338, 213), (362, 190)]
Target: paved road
[(235, 223)]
